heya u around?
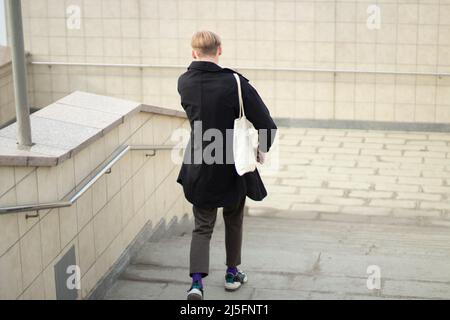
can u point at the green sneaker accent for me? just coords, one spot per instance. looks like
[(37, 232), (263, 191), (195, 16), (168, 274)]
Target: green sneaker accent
[(197, 285), (229, 278), (235, 281)]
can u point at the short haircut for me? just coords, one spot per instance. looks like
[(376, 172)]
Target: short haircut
[(206, 43)]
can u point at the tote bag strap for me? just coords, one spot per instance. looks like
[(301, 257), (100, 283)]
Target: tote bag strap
[(241, 102)]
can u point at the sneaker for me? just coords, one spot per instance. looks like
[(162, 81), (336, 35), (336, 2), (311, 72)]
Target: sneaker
[(195, 292), (234, 282)]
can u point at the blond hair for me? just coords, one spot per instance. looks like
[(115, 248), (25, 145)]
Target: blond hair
[(206, 43)]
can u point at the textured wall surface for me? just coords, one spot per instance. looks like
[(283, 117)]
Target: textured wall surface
[(101, 224), (7, 112), (412, 36), (7, 106)]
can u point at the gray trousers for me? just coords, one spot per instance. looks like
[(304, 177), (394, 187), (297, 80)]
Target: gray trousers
[(205, 220)]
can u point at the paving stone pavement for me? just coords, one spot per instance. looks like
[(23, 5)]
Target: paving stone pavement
[(405, 175), (342, 201)]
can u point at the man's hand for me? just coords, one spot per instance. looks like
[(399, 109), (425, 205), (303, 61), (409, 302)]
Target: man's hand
[(260, 156)]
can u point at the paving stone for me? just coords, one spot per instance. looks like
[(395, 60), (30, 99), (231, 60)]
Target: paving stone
[(322, 191), (436, 174), (325, 132), (341, 201), (381, 152), (433, 189), (343, 139), (311, 138), (352, 171), (440, 161), (315, 156), (403, 159), (367, 211), (339, 150), (288, 142), (371, 194), (363, 145), (397, 172), (435, 205), (392, 203), (426, 143), (308, 168), (438, 148), (356, 157), (411, 147), (320, 143), (329, 163), (374, 178), (385, 140), (396, 187), (348, 185), (315, 207), (408, 136), (424, 154), (418, 196), (436, 136), (301, 182), (366, 133), (415, 213), (420, 181), (327, 176), (373, 164), (281, 189)]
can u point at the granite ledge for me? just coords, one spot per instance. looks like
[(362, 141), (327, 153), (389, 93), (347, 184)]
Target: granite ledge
[(163, 111), (69, 125)]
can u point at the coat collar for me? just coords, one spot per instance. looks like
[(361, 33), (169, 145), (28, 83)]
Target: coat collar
[(205, 66)]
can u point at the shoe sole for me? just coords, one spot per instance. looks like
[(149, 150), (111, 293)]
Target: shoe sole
[(195, 295), (239, 284)]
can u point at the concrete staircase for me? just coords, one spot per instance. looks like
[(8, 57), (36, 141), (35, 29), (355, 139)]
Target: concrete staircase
[(292, 257), (341, 204)]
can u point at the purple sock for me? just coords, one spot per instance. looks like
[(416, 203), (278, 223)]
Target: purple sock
[(233, 270), (197, 277)]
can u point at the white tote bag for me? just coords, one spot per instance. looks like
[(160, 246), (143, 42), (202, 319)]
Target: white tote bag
[(245, 139)]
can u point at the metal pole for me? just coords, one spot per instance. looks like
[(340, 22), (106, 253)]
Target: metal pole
[(14, 18)]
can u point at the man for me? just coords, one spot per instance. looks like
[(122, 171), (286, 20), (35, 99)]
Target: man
[(209, 95)]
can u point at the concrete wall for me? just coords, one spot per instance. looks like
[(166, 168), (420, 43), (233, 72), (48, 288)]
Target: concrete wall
[(2, 24), (413, 37), (101, 224), (7, 112), (152, 86), (7, 104)]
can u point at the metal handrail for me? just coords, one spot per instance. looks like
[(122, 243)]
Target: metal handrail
[(170, 66), (104, 169)]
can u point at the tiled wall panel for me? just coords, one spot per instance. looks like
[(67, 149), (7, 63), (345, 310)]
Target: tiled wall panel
[(101, 224), (388, 35)]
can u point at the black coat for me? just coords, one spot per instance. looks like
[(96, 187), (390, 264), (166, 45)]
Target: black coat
[(209, 94)]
